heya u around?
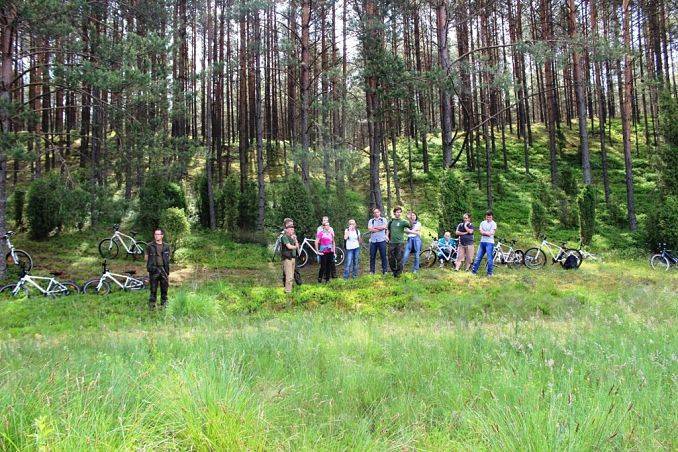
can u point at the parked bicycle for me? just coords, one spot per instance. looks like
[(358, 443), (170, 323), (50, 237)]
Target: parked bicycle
[(109, 248), (536, 257), (434, 252), (510, 257), (102, 284), (664, 259), (20, 258), (307, 245), (49, 287)]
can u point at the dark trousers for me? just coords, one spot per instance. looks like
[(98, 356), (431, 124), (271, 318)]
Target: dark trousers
[(326, 267), (381, 247), (158, 279), (395, 257)]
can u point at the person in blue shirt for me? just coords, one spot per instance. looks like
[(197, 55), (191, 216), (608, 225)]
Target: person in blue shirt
[(446, 245)]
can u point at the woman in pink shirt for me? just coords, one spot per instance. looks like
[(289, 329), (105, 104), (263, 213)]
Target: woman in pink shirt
[(324, 244)]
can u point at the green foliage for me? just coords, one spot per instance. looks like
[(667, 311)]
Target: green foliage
[(74, 207), (587, 214), (174, 222), (227, 202), (617, 213), (660, 224), (295, 203), (18, 201), (338, 205), (668, 151), (454, 200), (44, 206), (537, 217), (202, 202), (106, 207), (568, 212), (248, 206), (568, 181), (156, 195)]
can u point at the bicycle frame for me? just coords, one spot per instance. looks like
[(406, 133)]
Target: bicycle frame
[(28, 279), (307, 243), (446, 252), (549, 246), (114, 278), (121, 239)]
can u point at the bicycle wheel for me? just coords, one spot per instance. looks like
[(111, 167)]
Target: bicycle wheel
[(535, 258), (659, 262), (139, 249), (23, 260), (427, 258), (69, 288), (7, 291), (303, 259), (90, 287), (108, 249), (520, 257), (571, 252), (339, 256)]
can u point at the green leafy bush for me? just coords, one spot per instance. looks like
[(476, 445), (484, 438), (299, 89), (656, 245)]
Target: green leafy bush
[(74, 207), (454, 200), (537, 217), (248, 206), (227, 204), (202, 201), (568, 181), (568, 212), (156, 195), (668, 151), (587, 214), (44, 206), (295, 203), (660, 224), (174, 222), (18, 205)]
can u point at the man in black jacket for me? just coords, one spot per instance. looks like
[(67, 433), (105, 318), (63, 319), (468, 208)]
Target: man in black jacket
[(157, 264)]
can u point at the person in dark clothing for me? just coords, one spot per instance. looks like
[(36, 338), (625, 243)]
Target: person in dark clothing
[(157, 264)]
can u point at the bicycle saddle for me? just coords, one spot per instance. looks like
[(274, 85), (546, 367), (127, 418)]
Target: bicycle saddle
[(56, 273), (130, 272)]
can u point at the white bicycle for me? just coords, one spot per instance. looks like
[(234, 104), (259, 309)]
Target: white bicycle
[(49, 287), (536, 257), (109, 248), (511, 257), (20, 258), (102, 284)]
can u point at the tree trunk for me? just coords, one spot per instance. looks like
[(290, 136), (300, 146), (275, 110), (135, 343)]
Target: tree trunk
[(446, 97), (626, 116)]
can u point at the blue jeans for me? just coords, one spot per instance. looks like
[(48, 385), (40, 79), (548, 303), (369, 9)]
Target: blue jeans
[(381, 246), (483, 249), (351, 263), (413, 245)]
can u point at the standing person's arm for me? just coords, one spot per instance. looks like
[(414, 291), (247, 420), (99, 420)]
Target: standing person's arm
[(370, 226), (345, 234), (317, 242), (469, 229)]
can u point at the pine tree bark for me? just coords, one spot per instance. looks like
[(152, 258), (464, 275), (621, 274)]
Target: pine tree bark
[(626, 116)]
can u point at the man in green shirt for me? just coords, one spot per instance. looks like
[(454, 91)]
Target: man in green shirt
[(396, 237), (289, 252)]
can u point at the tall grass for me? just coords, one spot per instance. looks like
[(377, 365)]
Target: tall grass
[(528, 360)]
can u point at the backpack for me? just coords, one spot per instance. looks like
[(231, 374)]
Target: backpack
[(570, 262)]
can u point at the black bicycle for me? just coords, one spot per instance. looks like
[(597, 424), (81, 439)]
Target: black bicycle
[(663, 260)]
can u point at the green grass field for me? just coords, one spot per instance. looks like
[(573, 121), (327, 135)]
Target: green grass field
[(541, 360)]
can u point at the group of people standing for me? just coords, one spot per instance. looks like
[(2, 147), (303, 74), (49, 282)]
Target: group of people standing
[(398, 238)]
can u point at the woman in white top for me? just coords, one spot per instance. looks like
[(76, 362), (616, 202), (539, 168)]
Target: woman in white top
[(413, 244), (352, 238)]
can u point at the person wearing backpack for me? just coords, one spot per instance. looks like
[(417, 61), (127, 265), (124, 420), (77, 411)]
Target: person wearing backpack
[(487, 230), (288, 253), (352, 239), (396, 237)]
